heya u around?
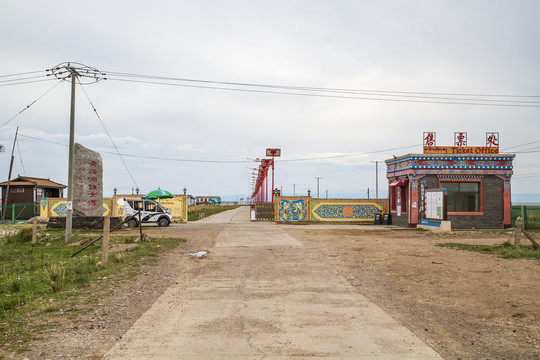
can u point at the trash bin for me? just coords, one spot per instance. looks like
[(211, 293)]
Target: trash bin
[(387, 219), (378, 219)]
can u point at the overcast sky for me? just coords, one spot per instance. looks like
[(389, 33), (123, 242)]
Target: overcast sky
[(422, 49)]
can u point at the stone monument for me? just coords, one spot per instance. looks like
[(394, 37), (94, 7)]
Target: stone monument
[(87, 182)]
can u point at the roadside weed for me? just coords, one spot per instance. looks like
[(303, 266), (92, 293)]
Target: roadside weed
[(504, 250)]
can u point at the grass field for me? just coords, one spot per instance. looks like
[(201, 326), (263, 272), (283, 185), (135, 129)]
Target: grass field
[(34, 277)]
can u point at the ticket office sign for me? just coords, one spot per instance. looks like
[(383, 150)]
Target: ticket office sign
[(461, 150)]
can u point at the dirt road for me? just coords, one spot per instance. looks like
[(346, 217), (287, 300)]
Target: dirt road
[(299, 291), (263, 294)]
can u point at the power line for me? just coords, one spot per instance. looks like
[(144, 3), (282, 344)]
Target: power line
[(385, 92), (20, 158), (20, 74), (515, 146), (28, 106), (109, 135), (475, 99), (349, 155), (250, 161), (26, 82), (525, 176), (232, 161), (24, 78), (451, 101)]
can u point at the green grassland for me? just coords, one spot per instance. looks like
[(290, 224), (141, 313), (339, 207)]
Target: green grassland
[(37, 278)]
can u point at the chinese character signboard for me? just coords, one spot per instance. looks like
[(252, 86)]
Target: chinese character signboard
[(492, 139), (87, 182), (460, 139), (460, 145), (273, 152), (430, 139)]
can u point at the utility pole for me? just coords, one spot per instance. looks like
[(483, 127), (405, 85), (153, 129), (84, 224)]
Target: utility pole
[(9, 179), (69, 213), (318, 178), (64, 72), (294, 189), (376, 178)]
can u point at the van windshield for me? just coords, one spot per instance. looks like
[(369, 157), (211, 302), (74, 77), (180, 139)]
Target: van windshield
[(152, 206)]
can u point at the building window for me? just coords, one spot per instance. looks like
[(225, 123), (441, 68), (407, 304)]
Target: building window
[(16, 190), (463, 196)]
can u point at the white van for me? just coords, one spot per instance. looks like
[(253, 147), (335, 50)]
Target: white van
[(151, 211)]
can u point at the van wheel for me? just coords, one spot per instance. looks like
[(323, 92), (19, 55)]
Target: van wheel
[(163, 222), (132, 223)]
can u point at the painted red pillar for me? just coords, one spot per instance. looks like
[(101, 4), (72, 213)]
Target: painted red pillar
[(272, 179), (507, 203)]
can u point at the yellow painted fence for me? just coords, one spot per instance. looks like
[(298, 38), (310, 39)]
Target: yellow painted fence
[(52, 207)]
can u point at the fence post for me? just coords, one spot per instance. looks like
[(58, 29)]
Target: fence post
[(105, 241), (13, 213), (517, 232), (34, 232)]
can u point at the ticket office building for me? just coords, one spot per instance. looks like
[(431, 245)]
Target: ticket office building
[(477, 187)]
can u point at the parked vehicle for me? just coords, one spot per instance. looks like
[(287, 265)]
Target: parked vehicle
[(151, 211)]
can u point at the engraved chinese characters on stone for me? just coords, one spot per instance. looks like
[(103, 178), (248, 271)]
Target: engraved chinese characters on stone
[(87, 182)]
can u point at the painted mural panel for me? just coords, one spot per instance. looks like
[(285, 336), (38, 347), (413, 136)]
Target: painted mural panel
[(58, 207), (44, 208), (346, 210), (177, 206), (292, 209)]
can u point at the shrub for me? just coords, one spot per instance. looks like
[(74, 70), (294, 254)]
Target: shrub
[(55, 274), (22, 236), (81, 269), (14, 285), (119, 257)]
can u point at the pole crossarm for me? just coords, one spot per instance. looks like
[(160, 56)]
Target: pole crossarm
[(66, 70)]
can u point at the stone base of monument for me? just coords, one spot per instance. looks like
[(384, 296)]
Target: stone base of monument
[(83, 222)]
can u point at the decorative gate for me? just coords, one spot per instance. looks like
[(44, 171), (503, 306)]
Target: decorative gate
[(264, 211)]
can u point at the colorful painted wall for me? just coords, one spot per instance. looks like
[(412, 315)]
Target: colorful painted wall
[(177, 206), (292, 209), (58, 207), (330, 210), (417, 167)]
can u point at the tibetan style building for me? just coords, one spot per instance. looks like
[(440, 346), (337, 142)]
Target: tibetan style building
[(476, 182)]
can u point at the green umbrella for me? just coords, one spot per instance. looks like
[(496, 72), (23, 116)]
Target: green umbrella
[(159, 194)]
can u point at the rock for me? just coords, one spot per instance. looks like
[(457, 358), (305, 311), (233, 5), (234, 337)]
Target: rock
[(41, 220), (88, 182)]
